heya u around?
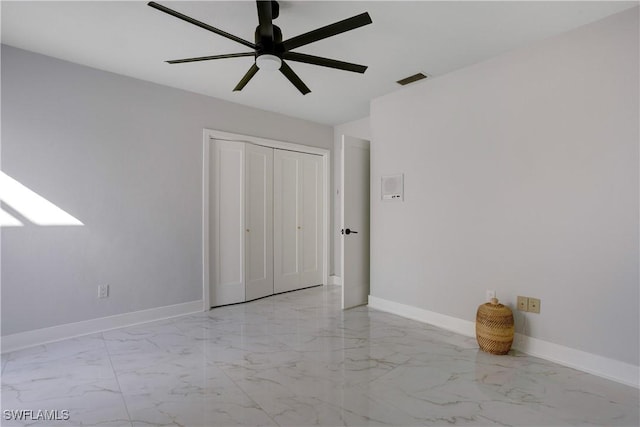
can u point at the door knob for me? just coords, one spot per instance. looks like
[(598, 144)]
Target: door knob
[(348, 231)]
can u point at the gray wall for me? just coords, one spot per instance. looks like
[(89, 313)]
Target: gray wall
[(124, 157), (521, 175)]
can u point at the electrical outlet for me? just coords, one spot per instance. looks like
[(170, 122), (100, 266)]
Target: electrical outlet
[(534, 305), (490, 294), (523, 303), (103, 291)]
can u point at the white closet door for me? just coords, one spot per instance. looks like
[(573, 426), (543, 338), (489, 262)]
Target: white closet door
[(286, 199), (298, 250), (258, 221), (228, 280), (311, 220)]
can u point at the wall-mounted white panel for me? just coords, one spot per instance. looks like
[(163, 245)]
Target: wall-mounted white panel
[(392, 187)]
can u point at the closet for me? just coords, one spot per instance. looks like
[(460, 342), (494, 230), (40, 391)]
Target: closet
[(298, 224), (266, 207)]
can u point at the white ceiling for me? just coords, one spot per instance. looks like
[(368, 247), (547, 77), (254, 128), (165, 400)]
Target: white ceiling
[(133, 39)]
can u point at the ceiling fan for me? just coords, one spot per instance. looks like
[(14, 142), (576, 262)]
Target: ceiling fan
[(270, 50)]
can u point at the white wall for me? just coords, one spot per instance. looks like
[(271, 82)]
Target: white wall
[(521, 175), (360, 129), (125, 157)]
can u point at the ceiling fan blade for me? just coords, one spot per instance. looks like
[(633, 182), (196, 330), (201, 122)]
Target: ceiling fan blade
[(265, 18), (328, 31), (324, 62), (252, 72), (293, 78), (207, 58), (200, 24)]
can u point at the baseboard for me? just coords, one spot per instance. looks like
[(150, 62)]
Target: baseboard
[(601, 366), (27, 339), (335, 280), (450, 323)]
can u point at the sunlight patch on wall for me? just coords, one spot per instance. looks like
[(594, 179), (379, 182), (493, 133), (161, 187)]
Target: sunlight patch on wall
[(7, 220), (31, 205)]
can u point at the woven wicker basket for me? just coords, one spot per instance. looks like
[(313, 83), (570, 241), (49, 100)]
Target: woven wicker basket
[(494, 327)]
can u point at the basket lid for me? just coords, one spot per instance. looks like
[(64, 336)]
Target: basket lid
[(494, 306)]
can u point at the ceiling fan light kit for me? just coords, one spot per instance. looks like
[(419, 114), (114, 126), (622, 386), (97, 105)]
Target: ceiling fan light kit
[(270, 50), (268, 62)]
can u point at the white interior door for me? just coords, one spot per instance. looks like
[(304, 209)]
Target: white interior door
[(286, 200), (298, 226), (258, 221), (355, 221), (311, 224), (227, 281)]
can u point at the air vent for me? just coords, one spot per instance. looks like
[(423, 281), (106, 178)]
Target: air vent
[(411, 79)]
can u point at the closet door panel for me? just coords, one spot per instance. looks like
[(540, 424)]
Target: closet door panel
[(228, 285), (298, 229), (286, 219), (312, 226), (258, 221)]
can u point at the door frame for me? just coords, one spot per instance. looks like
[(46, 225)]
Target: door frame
[(207, 136)]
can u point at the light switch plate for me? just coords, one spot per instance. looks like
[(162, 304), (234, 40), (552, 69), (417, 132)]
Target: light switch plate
[(103, 291)]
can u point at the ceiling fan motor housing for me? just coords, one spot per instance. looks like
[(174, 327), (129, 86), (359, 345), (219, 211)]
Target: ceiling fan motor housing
[(267, 45)]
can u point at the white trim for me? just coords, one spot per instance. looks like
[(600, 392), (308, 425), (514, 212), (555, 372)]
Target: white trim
[(209, 134), (335, 280), (453, 324), (273, 143), (22, 340), (601, 366), (206, 297)]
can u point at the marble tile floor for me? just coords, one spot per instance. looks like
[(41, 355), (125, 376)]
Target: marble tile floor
[(296, 359)]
